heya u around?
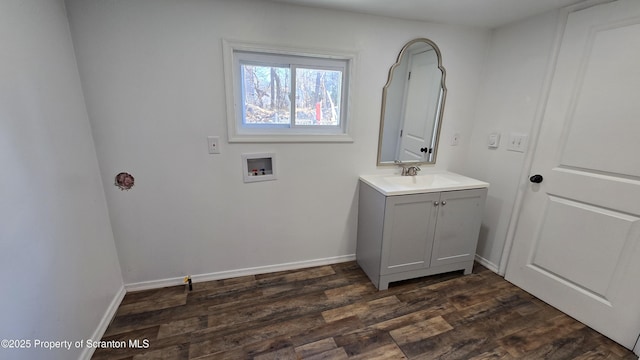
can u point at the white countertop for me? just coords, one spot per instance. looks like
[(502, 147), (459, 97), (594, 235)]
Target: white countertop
[(390, 185)]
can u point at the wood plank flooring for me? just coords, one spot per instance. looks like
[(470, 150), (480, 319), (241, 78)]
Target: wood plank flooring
[(334, 312)]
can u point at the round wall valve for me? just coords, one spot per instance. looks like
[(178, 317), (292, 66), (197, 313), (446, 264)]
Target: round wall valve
[(124, 181)]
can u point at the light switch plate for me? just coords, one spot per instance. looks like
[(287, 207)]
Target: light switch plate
[(517, 142), (494, 140), (214, 144)]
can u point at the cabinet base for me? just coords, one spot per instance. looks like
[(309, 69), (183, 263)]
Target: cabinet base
[(382, 282)]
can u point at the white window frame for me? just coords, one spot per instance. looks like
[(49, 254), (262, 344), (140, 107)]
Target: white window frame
[(236, 52)]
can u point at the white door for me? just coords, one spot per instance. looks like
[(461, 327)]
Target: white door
[(423, 90), (577, 242)]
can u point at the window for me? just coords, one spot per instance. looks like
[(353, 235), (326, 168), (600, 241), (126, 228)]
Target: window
[(277, 95)]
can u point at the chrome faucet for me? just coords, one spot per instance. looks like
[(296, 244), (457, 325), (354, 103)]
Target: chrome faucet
[(407, 170), (412, 171), (404, 168)]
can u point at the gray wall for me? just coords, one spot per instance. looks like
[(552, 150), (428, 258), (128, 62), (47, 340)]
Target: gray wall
[(510, 98), (57, 256), (153, 77)]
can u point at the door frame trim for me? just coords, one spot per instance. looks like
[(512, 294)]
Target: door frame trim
[(562, 19), (561, 24)]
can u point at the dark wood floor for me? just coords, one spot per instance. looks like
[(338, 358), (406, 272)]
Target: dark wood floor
[(334, 312)]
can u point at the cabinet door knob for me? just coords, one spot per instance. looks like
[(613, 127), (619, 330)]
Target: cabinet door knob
[(435, 203), (444, 203)]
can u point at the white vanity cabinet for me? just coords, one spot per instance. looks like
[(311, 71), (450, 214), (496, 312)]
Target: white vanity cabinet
[(417, 234)]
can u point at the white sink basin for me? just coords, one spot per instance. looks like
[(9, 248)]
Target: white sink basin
[(422, 180), (424, 183)]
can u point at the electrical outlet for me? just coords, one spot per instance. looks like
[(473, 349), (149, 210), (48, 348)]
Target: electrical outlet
[(214, 144)]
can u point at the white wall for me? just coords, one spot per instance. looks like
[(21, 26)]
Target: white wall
[(509, 101), (393, 112), (58, 262), (154, 85)]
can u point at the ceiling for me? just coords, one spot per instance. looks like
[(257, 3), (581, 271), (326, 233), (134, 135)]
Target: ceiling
[(482, 13)]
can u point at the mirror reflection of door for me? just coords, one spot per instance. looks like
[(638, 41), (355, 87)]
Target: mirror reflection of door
[(420, 108), (412, 108)]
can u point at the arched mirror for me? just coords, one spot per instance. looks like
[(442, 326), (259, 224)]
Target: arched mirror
[(412, 105)]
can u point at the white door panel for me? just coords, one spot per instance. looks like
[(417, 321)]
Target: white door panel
[(600, 235), (577, 242), (605, 111)]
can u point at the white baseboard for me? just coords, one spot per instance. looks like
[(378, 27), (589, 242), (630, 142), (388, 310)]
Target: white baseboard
[(87, 353), (486, 263), (227, 274)]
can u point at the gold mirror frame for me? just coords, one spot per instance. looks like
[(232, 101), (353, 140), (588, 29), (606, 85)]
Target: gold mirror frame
[(430, 156)]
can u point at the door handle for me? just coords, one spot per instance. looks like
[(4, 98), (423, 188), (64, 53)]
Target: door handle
[(536, 179)]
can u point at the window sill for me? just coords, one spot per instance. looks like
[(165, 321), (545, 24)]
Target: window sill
[(298, 138)]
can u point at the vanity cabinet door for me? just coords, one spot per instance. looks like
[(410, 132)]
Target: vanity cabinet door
[(409, 222), (458, 224)]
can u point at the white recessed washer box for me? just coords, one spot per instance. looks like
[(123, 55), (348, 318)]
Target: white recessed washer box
[(259, 167)]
